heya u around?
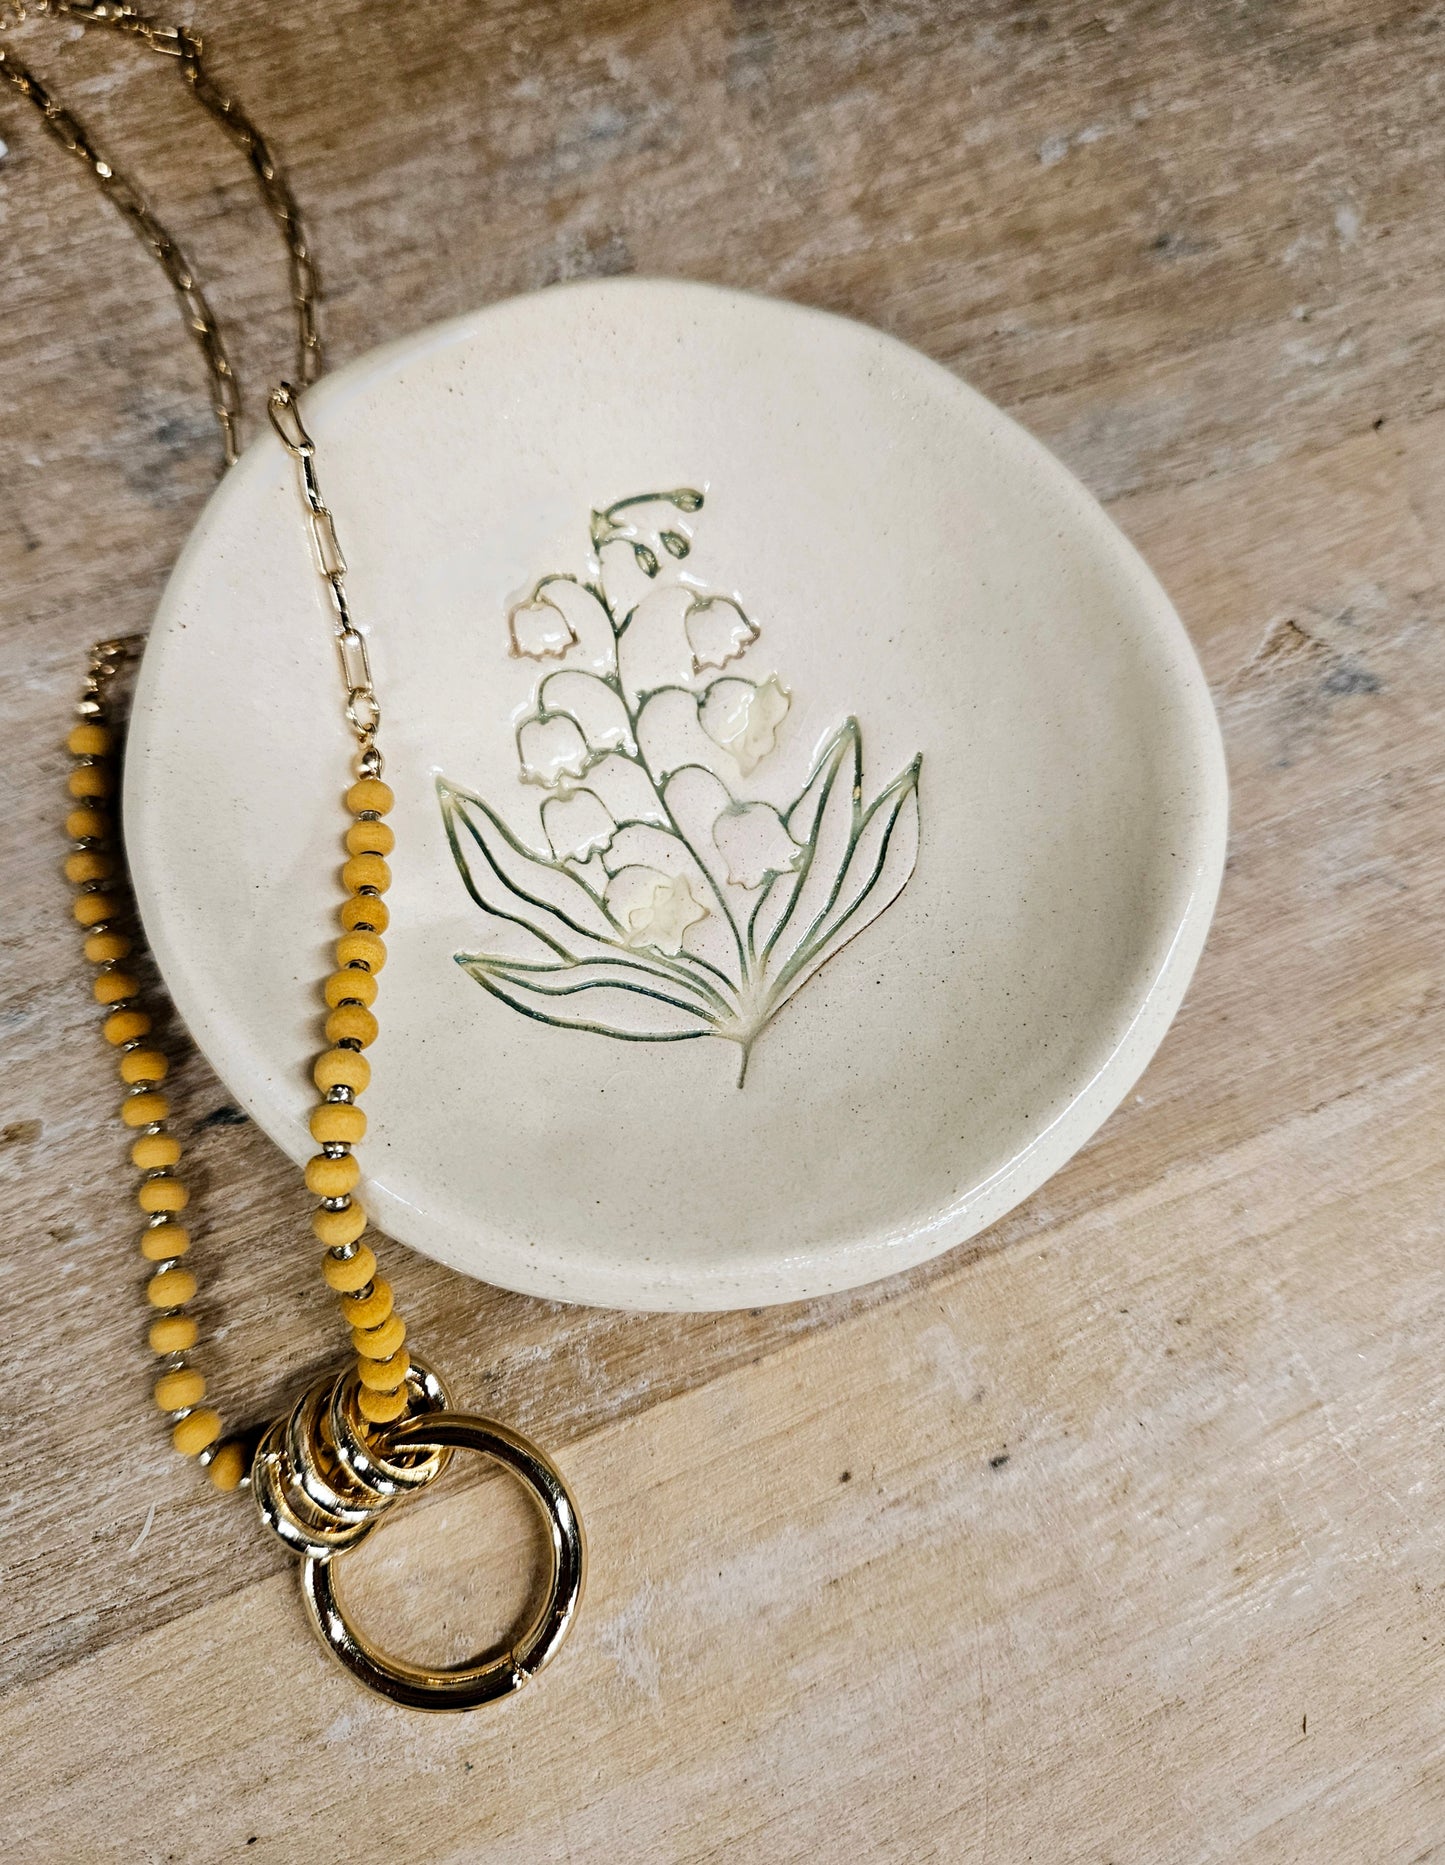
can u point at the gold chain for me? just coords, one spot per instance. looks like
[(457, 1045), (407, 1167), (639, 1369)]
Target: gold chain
[(363, 709), (353, 1448), (184, 46)]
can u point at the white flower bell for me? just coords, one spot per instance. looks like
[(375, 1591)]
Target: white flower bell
[(717, 631), (744, 718), (539, 630), (551, 749), (753, 841), (578, 824), (653, 909)]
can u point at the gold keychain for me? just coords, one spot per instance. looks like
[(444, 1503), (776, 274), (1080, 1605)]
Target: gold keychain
[(354, 1446)]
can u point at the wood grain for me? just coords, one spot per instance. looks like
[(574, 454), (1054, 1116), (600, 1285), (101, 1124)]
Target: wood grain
[(1112, 1537)]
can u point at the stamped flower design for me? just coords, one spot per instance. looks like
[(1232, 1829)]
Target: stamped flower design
[(665, 901)]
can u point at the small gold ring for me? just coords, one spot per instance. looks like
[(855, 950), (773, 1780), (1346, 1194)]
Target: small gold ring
[(483, 1679)]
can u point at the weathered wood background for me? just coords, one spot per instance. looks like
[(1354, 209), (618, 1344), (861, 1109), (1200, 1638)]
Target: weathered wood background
[(1114, 1537)]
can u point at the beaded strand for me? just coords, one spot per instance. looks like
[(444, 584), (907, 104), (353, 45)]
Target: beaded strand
[(341, 1073), (94, 868)]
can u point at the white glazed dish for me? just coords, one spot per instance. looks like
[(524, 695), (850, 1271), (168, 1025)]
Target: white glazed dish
[(1030, 716)]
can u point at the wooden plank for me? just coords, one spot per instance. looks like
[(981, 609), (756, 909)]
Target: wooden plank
[(1126, 1549)]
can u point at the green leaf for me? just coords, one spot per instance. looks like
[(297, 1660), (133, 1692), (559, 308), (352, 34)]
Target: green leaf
[(511, 883), (611, 997), (881, 858)]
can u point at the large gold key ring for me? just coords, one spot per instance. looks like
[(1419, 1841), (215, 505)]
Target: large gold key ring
[(480, 1680)]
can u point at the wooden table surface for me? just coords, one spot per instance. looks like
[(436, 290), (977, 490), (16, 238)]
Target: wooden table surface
[(1114, 1536)]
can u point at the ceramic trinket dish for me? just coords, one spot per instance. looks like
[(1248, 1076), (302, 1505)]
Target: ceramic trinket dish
[(810, 809)]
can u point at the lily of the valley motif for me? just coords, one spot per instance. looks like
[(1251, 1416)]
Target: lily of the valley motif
[(669, 902)]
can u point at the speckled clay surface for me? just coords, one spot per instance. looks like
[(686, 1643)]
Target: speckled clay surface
[(878, 591)]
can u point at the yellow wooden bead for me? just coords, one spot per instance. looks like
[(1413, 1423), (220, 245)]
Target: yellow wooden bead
[(345, 1274), (195, 1431), (143, 1110), (172, 1288), (364, 913), (380, 1408), (91, 909), (362, 946), (380, 1343), (228, 1466), (370, 838), (341, 1068), (153, 1151), (351, 1023), (336, 1228), (368, 1311), (385, 1375), (337, 1120), (124, 1026), (89, 864), (162, 1195), (143, 1065), (165, 1240), (366, 871), (332, 1178), (89, 741), (86, 822), (113, 987), (342, 986), (369, 793), (178, 1391), (173, 1334), (89, 780), (104, 948)]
